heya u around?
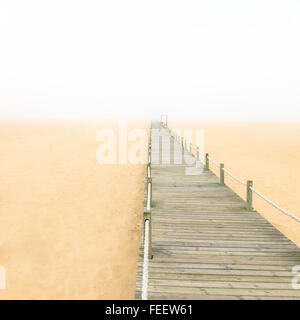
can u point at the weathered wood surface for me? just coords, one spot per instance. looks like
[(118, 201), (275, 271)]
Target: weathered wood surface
[(206, 244)]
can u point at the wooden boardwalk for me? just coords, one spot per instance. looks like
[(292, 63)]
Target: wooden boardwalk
[(207, 245)]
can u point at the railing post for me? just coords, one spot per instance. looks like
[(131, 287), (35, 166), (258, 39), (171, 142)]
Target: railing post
[(185, 145), (182, 142), (149, 191), (164, 124), (191, 148), (249, 195), (198, 154), (147, 212), (207, 161), (222, 174), (147, 216)]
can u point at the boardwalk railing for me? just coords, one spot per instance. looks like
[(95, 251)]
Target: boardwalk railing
[(147, 224), (249, 184)]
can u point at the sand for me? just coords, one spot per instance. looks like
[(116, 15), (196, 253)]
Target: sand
[(268, 154), (69, 227)]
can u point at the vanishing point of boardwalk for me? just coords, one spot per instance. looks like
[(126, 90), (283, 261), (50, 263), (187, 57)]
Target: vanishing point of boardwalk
[(206, 244)]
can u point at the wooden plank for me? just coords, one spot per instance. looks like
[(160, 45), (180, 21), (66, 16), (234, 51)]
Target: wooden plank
[(212, 233), (225, 261), (223, 284), (216, 238), (219, 271), (184, 296), (227, 266), (218, 277), (230, 253), (219, 244), (225, 291), (192, 246)]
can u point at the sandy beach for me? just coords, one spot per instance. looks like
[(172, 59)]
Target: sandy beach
[(69, 227), (268, 154)]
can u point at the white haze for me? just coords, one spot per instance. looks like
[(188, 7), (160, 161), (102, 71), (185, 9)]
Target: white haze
[(192, 59)]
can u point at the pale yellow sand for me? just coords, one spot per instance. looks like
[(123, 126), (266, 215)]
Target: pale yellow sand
[(269, 154), (69, 227)]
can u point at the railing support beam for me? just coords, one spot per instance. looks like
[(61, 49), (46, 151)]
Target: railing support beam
[(222, 174), (249, 195), (206, 161)]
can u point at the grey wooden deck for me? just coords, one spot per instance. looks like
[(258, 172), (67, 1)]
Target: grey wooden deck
[(206, 245)]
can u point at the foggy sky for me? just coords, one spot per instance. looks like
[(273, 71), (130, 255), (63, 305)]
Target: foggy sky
[(192, 59)]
